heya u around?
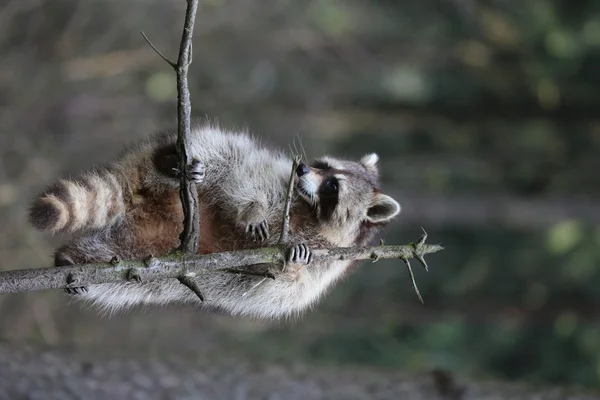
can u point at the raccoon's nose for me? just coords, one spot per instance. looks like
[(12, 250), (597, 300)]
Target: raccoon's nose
[(302, 169)]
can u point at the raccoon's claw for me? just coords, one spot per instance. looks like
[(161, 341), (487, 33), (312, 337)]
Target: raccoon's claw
[(299, 254), (75, 290), (71, 289), (258, 231), (196, 172)]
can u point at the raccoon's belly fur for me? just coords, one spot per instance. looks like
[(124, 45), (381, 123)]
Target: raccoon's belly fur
[(131, 209), (141, 235)]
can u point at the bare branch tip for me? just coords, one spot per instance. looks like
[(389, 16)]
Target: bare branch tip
[(422, 239), (421, 260), (412, 278), (171, 63)]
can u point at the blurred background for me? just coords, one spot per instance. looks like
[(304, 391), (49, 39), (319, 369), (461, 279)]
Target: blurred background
[(486, 117)]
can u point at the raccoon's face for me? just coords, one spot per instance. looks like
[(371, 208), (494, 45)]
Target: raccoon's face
[(346, 198)]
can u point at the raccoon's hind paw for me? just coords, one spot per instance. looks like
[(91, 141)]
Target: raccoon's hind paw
[(259, 231), (299, 254), (196, 172)]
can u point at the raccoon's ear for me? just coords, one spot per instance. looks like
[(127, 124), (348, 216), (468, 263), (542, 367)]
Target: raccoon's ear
[(369, 161), (383, 208)]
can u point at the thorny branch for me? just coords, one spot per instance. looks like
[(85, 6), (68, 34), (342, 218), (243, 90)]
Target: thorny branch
[(176, 265)]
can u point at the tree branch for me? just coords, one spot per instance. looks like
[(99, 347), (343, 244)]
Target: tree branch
[(190, 236), (188, 192), (176, 265)]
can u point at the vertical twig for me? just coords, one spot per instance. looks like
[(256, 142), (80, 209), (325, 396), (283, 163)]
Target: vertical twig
[(190, 236), (188, 193), (285, 224)]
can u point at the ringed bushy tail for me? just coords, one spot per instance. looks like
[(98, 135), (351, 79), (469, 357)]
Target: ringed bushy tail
[(90, 201)]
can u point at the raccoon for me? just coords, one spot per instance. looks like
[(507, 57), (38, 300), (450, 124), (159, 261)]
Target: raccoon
[(131, 209)]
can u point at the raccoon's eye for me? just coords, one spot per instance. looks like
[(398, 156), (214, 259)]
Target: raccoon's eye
[(331, 186), (321, 165)]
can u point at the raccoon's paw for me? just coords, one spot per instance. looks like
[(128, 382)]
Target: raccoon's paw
[(196, 171), (258, 231), (253, 218), (299, 254), (76, 290)]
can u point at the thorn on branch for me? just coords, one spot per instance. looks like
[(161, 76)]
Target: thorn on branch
[(171, 63), (412, 278), (192, 285), (133, 276), (419, 250), (421, 260), (423, 237)]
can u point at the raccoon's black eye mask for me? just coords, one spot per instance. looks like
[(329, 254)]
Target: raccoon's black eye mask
[(330, 186)]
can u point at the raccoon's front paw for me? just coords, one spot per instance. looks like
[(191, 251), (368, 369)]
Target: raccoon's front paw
[(196, 172), (258, 231), (299, 254)]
